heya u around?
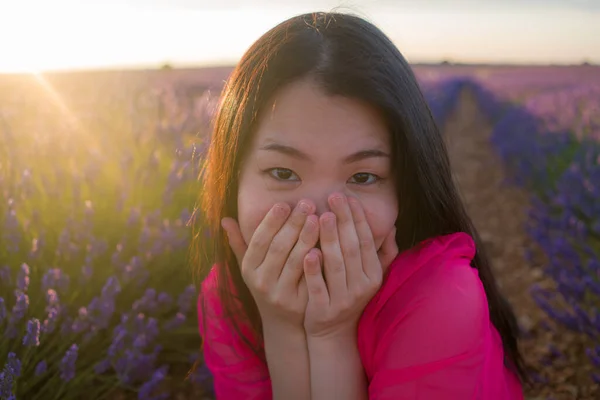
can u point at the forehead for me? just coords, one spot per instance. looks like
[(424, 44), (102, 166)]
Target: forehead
[(302, 115)]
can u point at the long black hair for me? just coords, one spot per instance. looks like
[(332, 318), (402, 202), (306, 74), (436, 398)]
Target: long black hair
[(346, 56)]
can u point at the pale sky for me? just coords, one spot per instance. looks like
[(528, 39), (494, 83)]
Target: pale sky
[(64, 34)]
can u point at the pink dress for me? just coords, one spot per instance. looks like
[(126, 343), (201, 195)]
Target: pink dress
[(426, 334)]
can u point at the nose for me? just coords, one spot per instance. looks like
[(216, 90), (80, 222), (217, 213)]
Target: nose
[(320, 200), (322, 205)]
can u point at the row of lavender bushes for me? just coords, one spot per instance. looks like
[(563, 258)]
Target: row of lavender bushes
[(550, 145), (96, 292)]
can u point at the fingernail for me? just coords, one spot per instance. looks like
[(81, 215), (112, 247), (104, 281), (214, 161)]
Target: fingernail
[(329, 222), (304, 207), (337, 201), (280, 210)]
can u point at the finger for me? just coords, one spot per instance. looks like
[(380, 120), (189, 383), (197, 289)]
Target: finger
[(263, 235), (388, 250), (370, 261), (317, 289), (236, 240), (333, 260), (284, 240), (294, 266), (302, 289), (348, 240)]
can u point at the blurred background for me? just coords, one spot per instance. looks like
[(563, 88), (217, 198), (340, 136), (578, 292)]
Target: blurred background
[(69, 34), (106, 110)]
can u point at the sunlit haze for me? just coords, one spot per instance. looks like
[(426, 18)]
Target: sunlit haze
[(38, 35)]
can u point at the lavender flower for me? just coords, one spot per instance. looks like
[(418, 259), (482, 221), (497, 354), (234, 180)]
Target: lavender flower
[(67, 364), (164, 299), (102, 366), (147, 303), (148, 389), (55, 279), (18, 312), (41, 368), (13, 365), (49, 324), (186, 299), (175, 322), (51, 298), (23, 278), (2, 310), (32, 337)]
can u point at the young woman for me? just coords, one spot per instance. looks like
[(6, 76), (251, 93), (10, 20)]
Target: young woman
[(339, 261)]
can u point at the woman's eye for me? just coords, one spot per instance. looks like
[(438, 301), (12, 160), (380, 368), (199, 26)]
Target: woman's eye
[(364, 178), (281, 174)]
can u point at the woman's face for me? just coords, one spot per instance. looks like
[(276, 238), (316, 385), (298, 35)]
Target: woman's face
[(320, 133)]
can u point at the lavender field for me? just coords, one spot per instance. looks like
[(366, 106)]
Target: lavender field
[(98, 183)]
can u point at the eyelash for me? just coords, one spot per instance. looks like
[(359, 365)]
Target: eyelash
[(268, 171)]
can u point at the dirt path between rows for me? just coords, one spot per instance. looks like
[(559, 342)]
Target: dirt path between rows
[(499, 212)]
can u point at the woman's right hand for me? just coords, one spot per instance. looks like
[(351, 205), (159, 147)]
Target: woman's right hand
[(272, 263)]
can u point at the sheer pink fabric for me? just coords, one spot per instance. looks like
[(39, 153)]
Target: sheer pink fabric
[(426, 335)]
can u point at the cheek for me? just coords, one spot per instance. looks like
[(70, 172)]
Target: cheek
[(249, 217), (381, 220), (254, 207)]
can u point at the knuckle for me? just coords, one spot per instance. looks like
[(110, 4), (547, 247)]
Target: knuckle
[(261, 285), (276, 300), (365, 243), (316, 290), (277, 246), (344, 305), (337, 266), (353, 250), (260, 241)]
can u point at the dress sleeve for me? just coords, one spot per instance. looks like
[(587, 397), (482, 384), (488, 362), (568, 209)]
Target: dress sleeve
[(433, 338), (237, 372)]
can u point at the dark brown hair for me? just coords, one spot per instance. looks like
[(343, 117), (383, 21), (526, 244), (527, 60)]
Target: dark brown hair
[(346, 56)]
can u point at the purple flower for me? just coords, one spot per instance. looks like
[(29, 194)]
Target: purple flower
[(50, 322), (32, 337), (67, 364), (6, 384), (100, 311), (111, 288), (51, 298), (2, 310), (23, 278), (13, 365), (82, 321), (86, 273), (20, 307), (175, 322), (102, 366), (164, 299), (148, 391), (186, 299), (40, 368), (55, 279), (147, 303)]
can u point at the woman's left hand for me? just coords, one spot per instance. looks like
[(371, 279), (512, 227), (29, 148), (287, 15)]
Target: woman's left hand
[(353, 269)]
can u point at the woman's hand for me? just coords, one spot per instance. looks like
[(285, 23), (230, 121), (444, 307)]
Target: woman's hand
[(272, 263), (353, 270)]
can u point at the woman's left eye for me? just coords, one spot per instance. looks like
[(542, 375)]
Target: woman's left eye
[(365, 178)]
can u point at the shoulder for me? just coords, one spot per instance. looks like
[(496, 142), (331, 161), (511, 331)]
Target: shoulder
[(442, 293)]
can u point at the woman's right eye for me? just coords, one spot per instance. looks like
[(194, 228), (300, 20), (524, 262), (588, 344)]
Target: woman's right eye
[(280, 174)]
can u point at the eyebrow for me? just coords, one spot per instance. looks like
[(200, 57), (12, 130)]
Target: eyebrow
[(294, 152)]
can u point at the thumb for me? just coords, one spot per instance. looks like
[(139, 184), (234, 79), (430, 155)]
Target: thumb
[(388, 250), (236, 240)]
